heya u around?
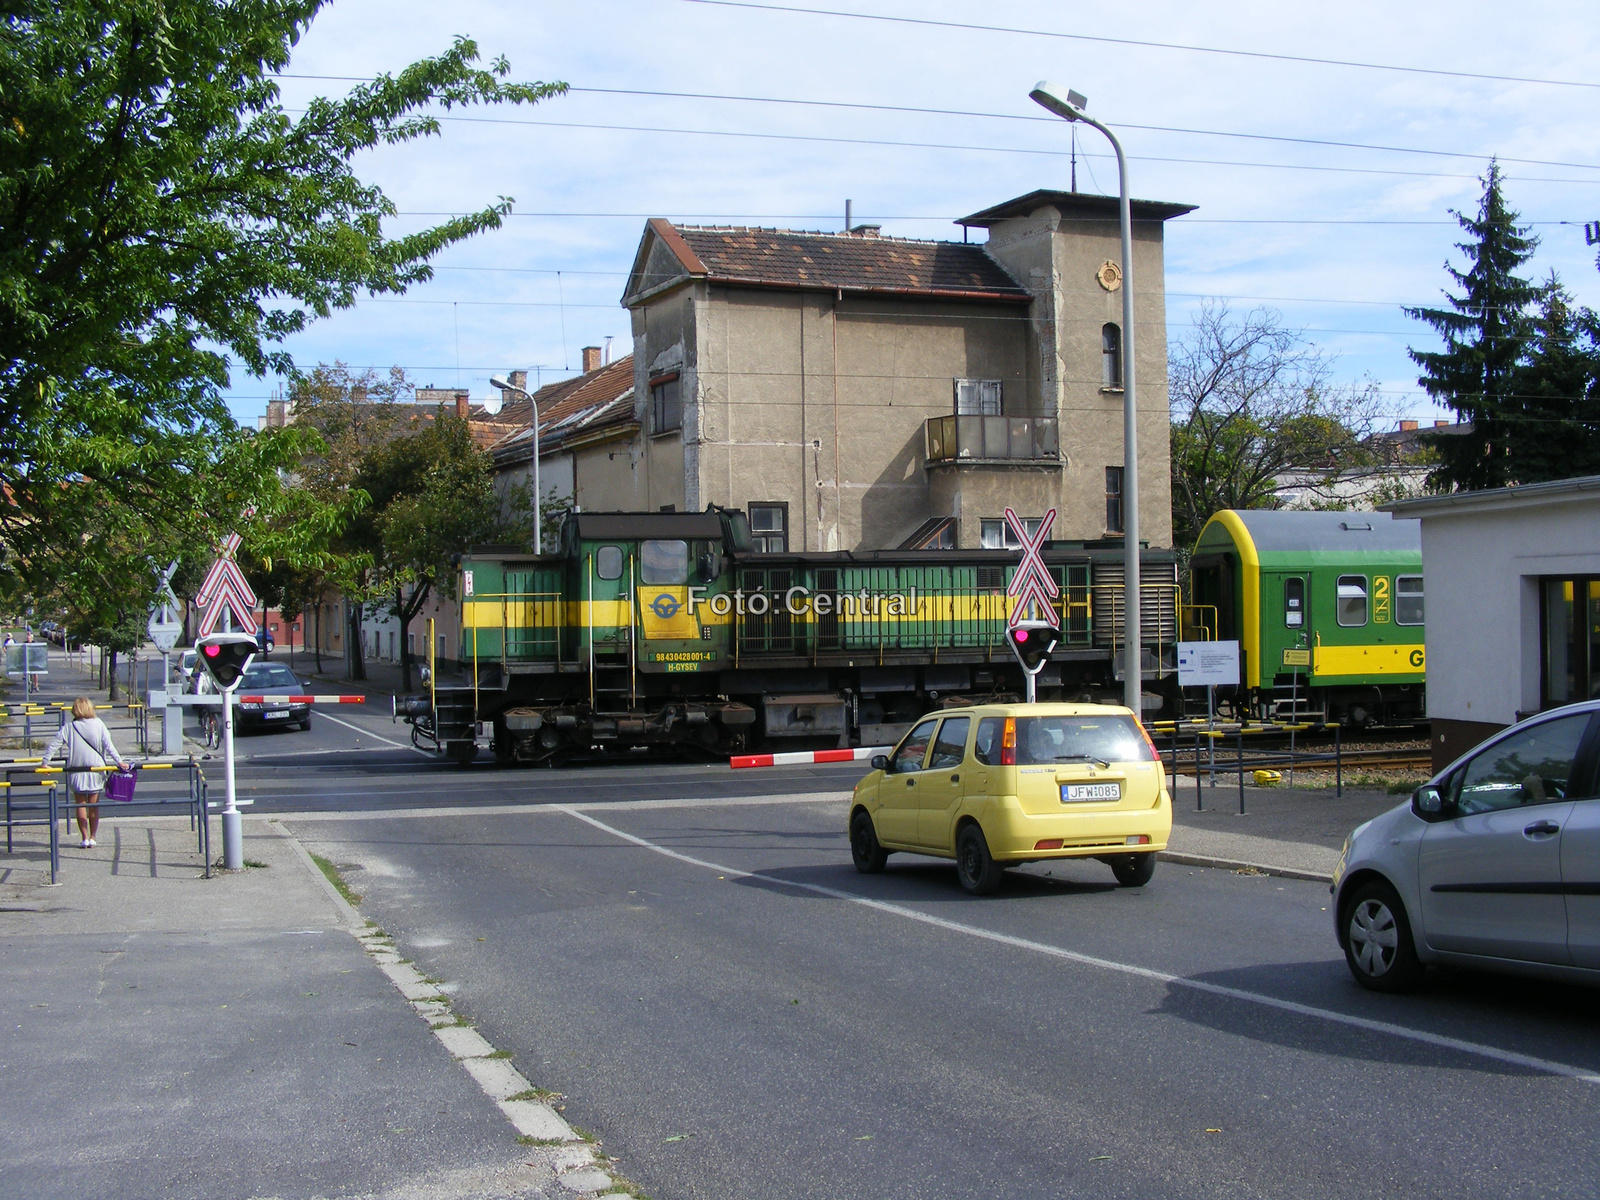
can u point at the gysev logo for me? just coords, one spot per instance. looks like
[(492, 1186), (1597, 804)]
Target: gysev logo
[(666, 606)]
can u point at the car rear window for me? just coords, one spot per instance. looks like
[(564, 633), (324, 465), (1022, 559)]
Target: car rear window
[(1111, 738), (269, 676)]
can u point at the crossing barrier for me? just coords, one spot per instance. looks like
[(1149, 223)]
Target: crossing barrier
[(789, 757)]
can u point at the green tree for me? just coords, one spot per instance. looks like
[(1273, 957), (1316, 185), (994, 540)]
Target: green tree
[(163, 218), (1486, 330), (433, 496), (1552, 425), (1250, 401)]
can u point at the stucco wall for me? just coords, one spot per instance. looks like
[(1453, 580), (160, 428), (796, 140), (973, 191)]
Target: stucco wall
[(1480, 569)]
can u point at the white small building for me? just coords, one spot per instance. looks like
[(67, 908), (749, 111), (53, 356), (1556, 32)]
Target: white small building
[(1513, 585)]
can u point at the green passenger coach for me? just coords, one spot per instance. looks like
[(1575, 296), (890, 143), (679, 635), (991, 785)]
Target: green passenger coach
[(1327, 608)]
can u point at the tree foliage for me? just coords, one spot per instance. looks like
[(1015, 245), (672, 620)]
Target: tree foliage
[(1518, 362), (164, 218), (1250, 400)]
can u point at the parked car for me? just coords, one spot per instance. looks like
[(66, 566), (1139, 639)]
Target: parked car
[(264, 640), (1494, 863), (269, 680), (1003, 784)]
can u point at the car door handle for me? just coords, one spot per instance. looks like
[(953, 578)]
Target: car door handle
[(955, 779), (911, 783), (1542, 829)]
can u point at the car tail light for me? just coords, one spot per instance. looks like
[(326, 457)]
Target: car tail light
[(1048, 844), (1137, 839), (1145, 733), (1008, 743)]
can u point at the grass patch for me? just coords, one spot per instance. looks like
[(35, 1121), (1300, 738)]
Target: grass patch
[(543, 1095), (499, 1054), (584, 1135), (260, 866), (331, 872), (524, 1139)]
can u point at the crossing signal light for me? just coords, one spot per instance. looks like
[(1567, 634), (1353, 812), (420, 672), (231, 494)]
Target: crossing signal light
[(1031, 642), (225, 656)]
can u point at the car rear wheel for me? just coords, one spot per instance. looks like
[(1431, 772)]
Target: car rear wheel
[(867, 854), (1377, 940), (975, 866), (1133, 870)]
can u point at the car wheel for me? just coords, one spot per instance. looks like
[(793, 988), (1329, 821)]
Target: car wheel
[(868, 855), (305, 726), (975, 866), (1133, 870), (1377, 940)]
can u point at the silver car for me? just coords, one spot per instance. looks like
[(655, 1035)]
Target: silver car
[(1494, 863)]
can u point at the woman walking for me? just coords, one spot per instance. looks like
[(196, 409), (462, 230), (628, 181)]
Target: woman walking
[(88, 744)]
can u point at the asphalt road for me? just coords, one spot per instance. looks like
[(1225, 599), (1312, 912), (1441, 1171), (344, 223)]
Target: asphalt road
[(737, 1013)]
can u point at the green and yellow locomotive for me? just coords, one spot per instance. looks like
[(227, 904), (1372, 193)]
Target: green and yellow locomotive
[(1327, 608), (668, 628)]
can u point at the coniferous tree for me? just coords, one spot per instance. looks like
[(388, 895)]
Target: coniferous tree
[(1486, 331), (1554, 430)]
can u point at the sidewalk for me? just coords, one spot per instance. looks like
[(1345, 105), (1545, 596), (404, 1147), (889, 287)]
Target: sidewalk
[(172, 1036)]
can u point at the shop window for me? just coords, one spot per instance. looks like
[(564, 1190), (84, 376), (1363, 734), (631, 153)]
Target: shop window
[(1408, 600), (769, 528), (1352, 599)]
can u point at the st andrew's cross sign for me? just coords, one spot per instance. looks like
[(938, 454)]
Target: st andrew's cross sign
[(1032, 586), (225, 588)]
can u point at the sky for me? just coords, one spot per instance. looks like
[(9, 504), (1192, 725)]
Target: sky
[(1224, 115)]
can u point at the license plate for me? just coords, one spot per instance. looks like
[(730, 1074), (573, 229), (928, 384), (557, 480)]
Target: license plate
[(1076, 793), (275, 716)]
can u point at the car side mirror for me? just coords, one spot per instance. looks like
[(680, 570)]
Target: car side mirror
[(880, 762), (1427, 801)]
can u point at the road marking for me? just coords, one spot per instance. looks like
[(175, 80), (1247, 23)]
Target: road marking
[(490, 808), (1478, 1049), (373, 736)]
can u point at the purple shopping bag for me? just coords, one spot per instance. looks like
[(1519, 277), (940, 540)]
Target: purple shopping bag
[(119, 785)]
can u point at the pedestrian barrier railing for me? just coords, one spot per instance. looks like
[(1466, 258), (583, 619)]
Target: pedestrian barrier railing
[(33, 796), (1175, 737)]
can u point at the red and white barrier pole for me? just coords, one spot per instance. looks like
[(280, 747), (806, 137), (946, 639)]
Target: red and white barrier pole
[(302, 699), (791, 757)]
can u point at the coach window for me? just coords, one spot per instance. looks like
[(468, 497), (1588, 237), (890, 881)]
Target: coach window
[(1408, 600), (664, 561), (1294, 602), (608, 562), (1352, 597)]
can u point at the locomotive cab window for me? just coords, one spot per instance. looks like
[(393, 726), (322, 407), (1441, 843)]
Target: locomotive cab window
[(1408, 600), (664, 561), (1294, 602), (1352, 596), (608, 562)]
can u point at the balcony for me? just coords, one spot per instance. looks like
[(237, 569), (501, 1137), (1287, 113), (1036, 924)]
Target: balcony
[(973, 439)]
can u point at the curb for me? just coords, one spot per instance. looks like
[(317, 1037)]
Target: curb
[(1238, 864), (576, 1165)]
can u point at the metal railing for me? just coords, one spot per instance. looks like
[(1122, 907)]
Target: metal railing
[(993, 439)]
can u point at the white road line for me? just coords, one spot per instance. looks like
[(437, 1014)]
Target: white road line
[(1509, 1057), (491, 809), (375, 737)]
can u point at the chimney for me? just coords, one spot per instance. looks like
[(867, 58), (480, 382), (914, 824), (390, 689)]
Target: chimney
[(461, 403), (866, 231), (1441, 424), (591, 359), (517, 379), (1408, 426)]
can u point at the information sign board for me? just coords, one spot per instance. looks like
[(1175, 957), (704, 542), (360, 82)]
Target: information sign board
[(1208, 664), (34, 654)]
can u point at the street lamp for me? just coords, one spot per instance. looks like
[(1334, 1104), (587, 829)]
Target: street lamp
[(506, 386), (1070, 107)]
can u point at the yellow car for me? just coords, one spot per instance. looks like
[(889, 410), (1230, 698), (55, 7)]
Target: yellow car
[(1001, 784)]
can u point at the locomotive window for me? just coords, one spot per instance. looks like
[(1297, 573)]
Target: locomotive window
[(665, 561), (608, 562), (1408, 600), (1352, 599), (1294, 602)]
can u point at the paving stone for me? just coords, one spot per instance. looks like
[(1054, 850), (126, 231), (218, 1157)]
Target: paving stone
[(498, 1078), (536, 1120), (584, 1181), (463, 1042)]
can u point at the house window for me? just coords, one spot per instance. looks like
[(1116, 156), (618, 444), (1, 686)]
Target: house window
[(1571, 629), (1352, 599), (1110, 357), (666, 405), (1113, 499), (769, 528), (997, 535), (978, 397), (411, 643)]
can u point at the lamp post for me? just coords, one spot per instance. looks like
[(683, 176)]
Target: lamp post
[(538, 529), (1070, 107)]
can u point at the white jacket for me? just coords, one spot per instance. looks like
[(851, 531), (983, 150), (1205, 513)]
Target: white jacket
[(88, 743)]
